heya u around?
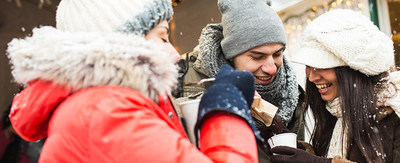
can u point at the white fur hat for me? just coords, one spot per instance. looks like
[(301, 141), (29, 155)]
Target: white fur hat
[(129, 16), (344, 37)]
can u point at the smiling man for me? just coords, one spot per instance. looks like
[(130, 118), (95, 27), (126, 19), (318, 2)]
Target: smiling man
[(263, 61), (250, 37)]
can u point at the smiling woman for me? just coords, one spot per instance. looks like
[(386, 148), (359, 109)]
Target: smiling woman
[(325, 80), (350, 89)]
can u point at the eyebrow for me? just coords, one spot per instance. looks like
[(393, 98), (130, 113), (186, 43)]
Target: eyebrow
[(165, 28), (257, 52)]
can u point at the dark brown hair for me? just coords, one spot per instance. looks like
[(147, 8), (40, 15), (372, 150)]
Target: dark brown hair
[(358, 102)]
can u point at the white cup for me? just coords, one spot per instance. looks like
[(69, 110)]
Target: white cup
[(284, 139), (189, 112)]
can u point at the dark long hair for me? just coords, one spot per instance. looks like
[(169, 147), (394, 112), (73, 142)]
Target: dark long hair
[(359, 107)]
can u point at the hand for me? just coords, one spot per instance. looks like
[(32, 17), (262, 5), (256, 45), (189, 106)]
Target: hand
[(277, 127), (242, 80), (287, 154), (232, 92)]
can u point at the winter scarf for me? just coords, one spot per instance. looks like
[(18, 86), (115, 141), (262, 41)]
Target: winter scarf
[(337, 147), (282, 92), (388, 97)]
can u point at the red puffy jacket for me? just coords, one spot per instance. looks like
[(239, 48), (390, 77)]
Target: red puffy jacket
[(117, 124), (106, 106)]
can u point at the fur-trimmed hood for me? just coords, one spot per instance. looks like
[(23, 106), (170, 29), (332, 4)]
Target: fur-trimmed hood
[(82, 60)]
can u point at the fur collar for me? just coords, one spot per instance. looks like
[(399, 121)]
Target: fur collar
[(82, 60)]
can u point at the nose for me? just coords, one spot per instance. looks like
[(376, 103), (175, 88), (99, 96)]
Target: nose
[(312, 74), (269, 66), (172, 51)]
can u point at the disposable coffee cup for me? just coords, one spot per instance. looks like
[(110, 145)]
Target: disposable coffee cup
[(189, 111), (284, 139)]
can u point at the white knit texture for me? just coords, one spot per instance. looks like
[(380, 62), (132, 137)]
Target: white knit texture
[(351, 38), (391, 95), (96, 15), (338, 145)]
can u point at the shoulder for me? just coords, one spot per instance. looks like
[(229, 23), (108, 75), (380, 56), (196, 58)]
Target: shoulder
[(193, 72), (110, 97)]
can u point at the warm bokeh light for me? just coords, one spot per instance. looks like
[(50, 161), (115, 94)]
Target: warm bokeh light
[(349, 3), (314, 8)]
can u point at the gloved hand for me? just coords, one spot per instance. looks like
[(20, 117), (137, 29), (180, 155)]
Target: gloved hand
[(277, 127), (231, 92), (287, 154)]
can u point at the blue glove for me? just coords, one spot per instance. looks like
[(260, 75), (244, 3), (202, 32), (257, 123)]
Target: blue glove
[(232, 92)]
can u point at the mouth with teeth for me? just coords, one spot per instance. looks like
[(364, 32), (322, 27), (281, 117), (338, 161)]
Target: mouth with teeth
[(264, 79), (323, 88)]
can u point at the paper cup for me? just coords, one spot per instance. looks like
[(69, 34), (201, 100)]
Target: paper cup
[(284, 139), (189, 111)]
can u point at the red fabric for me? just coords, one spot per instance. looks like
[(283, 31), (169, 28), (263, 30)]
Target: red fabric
[(38, 100), (166, 106), (226, 138), (117, 124)]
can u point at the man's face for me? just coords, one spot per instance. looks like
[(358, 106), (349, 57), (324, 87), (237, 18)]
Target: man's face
[(263, 62)]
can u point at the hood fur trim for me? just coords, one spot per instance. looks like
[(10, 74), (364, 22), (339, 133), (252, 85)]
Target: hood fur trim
[(82, 60)]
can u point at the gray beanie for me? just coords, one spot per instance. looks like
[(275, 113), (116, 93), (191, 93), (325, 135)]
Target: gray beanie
[(248, 24), (128, 16)]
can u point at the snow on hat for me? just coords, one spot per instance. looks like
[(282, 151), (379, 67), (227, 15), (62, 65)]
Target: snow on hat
[(128, 16), (343, 37), (248, 24)]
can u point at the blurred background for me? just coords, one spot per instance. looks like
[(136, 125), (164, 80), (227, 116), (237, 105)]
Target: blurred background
[(19, 17)]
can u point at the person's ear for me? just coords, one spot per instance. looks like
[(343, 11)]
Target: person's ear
[(231, 63)]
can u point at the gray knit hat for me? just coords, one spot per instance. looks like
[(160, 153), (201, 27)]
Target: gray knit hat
[(129, 16), (248, 24)]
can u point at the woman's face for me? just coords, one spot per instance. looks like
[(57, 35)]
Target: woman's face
[(325, 80), (159, 34), (262, 61)]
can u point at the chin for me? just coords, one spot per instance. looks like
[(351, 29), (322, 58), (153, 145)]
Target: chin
[(327, 99)]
